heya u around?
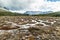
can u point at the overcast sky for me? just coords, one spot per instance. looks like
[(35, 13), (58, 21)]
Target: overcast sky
[(31, 5)]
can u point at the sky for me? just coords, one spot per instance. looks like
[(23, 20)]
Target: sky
[(31, 5)]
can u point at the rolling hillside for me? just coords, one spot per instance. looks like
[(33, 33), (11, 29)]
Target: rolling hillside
[(53, 14), (4, 12), (56, 14)]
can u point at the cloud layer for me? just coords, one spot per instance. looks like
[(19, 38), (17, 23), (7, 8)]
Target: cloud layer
[(31, 5)]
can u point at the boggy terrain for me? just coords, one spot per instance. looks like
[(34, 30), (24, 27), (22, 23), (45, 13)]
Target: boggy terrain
[(29, 28)]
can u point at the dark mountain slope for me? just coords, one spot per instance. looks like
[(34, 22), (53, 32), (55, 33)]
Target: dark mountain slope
[(4, 12)]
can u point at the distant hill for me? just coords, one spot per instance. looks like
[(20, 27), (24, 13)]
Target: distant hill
[(4, 12), (54, 14), (37, 12)]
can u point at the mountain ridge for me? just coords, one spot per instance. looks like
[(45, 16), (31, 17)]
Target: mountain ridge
[(5, 12), (37, 12)]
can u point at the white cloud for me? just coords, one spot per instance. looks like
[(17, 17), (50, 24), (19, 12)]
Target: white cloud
[(55, 6), (31, 5), (18, 11)]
